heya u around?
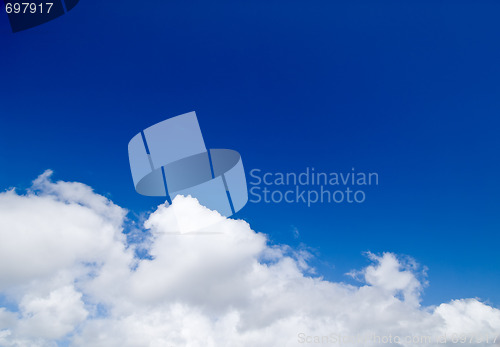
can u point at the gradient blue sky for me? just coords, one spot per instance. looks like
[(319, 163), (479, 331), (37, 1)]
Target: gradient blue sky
[(410, 91)]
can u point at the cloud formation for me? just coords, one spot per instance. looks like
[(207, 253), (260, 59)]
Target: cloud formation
[(68, 276)]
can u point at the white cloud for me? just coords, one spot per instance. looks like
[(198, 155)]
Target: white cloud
[(51, 317), (65, 264)]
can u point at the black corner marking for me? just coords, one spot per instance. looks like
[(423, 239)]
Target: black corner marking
[(70, 4)]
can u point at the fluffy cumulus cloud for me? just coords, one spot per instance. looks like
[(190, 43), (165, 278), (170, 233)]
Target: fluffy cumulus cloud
[(68, 276)]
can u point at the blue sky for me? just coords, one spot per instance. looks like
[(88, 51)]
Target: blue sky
[(408, 91)]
